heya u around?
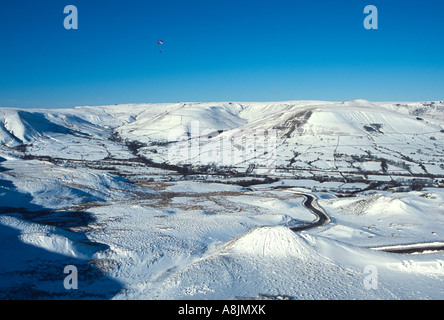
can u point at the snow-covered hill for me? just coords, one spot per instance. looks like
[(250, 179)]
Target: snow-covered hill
[(349, 139), (191, 201), (348, 142)]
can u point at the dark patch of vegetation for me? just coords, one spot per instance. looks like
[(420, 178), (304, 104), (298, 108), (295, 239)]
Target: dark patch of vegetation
[(374, 128), (160, 143), (252, 182), (21, 148), (384, 165), (369, 129), (134, 146), (115, 137), (298, 120)]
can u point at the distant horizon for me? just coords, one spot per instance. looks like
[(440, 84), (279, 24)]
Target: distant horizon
[(228, 101), (164, 52)]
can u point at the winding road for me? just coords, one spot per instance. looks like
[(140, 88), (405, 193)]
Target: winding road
[(322, 218), (311, 204)]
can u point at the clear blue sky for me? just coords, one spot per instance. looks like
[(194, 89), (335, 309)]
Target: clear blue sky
[(225, 50)]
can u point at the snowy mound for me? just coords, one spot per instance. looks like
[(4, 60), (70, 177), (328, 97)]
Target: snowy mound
[(359, 119), (351, 137), (170, 122), (276, 241), (359, 103), (22, 127)]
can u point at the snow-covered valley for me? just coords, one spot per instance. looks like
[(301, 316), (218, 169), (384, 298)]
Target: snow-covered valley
[(197, 200)]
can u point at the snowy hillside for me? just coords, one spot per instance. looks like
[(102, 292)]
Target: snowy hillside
[(199, 200), (349, 139)]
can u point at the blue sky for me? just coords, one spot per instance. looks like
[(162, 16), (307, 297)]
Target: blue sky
[(219, 51)]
